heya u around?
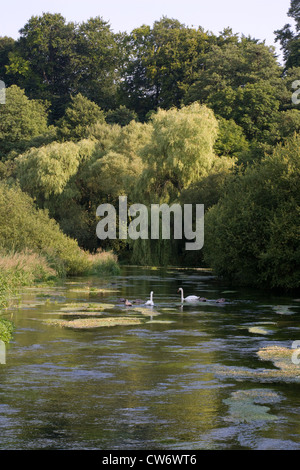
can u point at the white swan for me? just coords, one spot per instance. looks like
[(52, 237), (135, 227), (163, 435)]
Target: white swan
[(190, 298), (150, 302)]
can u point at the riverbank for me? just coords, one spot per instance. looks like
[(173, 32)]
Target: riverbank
[(28, 268)]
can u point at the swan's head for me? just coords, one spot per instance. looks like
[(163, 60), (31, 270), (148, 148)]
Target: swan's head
[(179, 290)]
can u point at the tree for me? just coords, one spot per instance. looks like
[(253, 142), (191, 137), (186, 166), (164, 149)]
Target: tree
[(161, 64), (180, 151), (55, 60), (234, 65), (252, 233), (79, 115), (42, 61), (179, 154), (46, 170), (97, 62), (6, 47), (241, 82), (121, 115), (21, 120), (231, 139), (289, 39)]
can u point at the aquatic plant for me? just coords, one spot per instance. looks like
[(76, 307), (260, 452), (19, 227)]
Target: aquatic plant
[(83, 323), (245, 405), (6, 330)]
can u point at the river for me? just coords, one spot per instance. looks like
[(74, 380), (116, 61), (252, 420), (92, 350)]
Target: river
[(186, 377)]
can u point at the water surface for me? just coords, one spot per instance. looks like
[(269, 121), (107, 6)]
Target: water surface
[(185, 378)]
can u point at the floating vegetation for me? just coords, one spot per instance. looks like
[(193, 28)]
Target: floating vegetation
[(169, 309), (51, 297), (285, 370), (283, 309), (80, 313), (26, 305), (86, 307), (259, 330), (281, 358), (84, 323), (93, 290), (144, 311), (160, 321), (245, 405)]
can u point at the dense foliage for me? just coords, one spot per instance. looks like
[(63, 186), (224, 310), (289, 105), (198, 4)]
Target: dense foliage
[(252, 233), (164, 114)]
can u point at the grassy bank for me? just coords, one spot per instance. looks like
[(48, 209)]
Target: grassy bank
[(34, 249), (28, 268)]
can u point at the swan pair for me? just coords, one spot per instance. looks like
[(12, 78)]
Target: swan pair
[(190, 298)]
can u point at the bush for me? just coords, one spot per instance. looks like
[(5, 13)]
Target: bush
[(24, 227), (252, 235)]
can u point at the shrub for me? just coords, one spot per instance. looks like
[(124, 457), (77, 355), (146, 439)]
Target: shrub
[(252, 235)]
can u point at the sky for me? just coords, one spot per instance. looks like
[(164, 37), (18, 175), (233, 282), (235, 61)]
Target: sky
[(257, 18)]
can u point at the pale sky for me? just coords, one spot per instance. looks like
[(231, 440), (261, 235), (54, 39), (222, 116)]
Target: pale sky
[(257, 18)]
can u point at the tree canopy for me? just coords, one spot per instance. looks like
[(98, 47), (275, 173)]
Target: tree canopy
[(166, 113)]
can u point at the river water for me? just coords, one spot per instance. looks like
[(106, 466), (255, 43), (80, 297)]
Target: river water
[(188, 377)]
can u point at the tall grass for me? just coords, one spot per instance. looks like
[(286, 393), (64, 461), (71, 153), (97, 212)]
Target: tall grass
[(20, 269), (103, 263), (28, 267)]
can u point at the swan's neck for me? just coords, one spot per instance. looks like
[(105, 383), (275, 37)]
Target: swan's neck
[(181, 290), (151, 296)]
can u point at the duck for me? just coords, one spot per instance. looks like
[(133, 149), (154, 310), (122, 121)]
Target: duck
[(190, 298), (127, 303), (150, 302), (220, 301)]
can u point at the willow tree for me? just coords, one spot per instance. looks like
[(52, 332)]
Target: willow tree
[(49, 175), (180, 152), (113, 171), (45, 171)]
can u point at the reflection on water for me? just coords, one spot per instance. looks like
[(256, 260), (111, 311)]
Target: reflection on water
[(187, 378)]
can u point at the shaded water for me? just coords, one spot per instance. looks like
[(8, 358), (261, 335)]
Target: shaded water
[(188, 379)]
